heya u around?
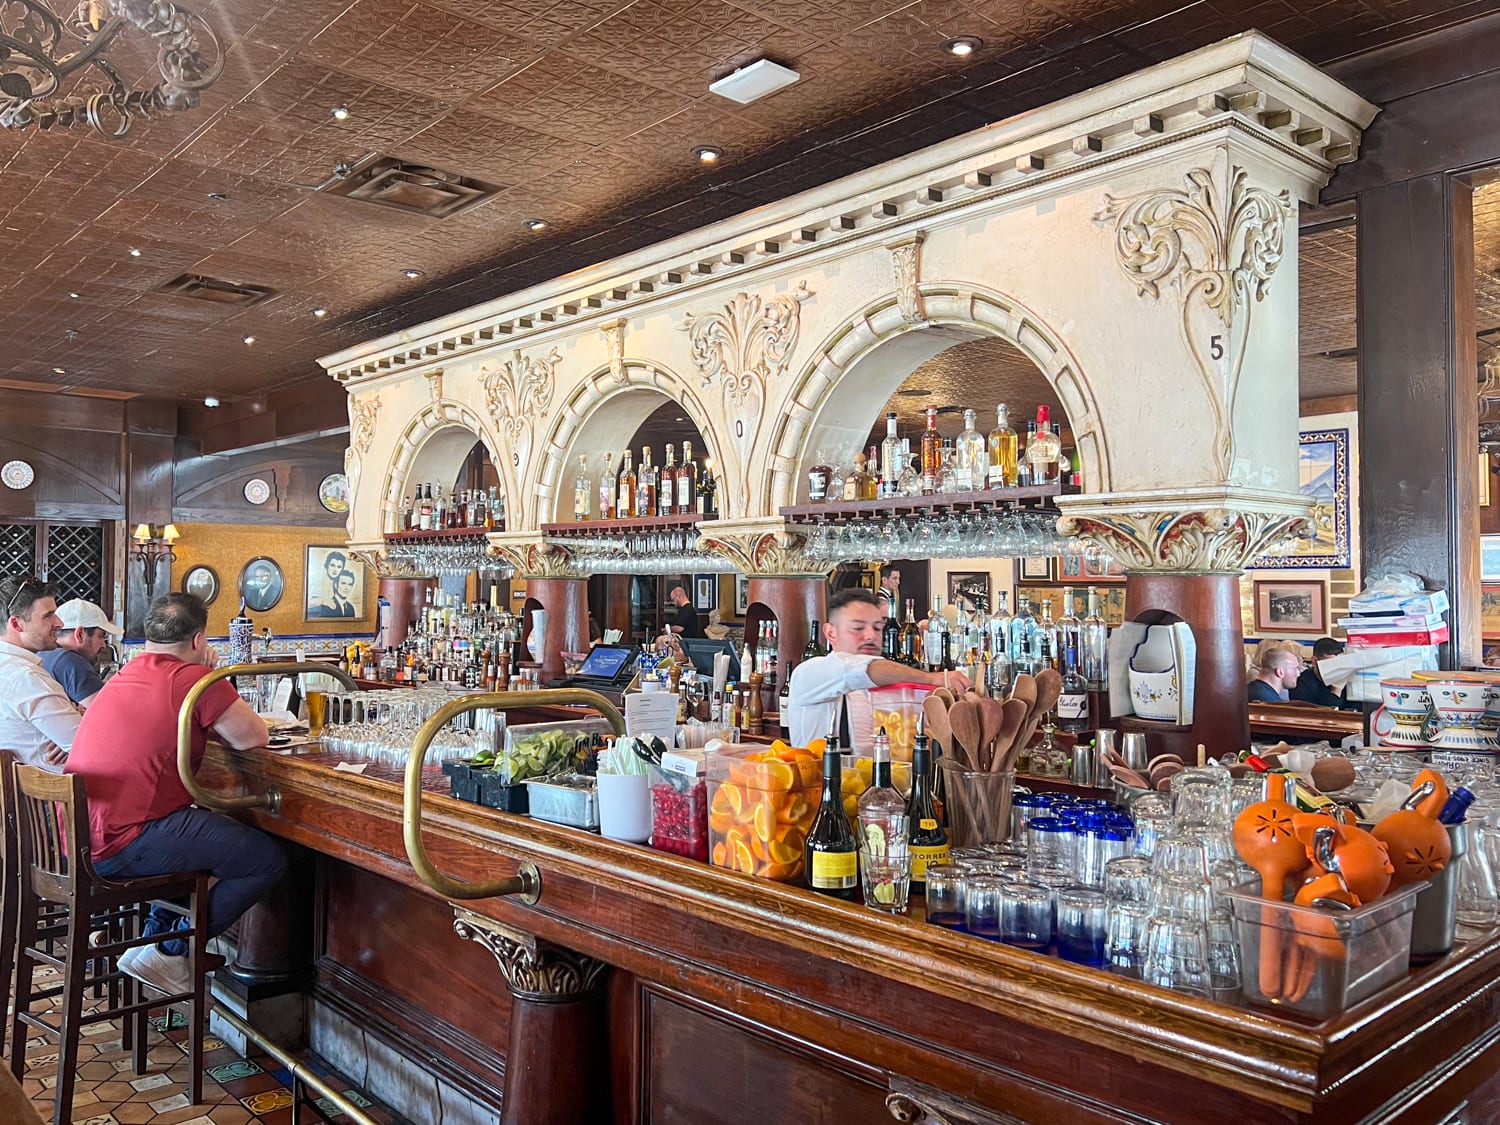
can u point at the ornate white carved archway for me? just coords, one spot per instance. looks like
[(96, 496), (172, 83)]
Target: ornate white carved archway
[(433, 448)]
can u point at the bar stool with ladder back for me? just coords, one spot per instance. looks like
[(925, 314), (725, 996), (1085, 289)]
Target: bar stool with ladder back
[(52, 825)]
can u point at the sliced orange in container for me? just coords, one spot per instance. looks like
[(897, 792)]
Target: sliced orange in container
[(792, 811), (763, 821), (777, 775), (781, 872), (744, 859), (720, 855)]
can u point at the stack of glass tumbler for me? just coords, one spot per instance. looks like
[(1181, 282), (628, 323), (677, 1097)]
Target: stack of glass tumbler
[(1136, 893)]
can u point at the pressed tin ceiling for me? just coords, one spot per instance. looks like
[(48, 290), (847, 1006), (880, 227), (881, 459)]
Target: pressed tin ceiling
[(583, 113)]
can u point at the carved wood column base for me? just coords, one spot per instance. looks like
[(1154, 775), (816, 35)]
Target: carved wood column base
[(557, 1033)]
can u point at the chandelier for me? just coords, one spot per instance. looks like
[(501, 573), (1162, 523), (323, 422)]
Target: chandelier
[(55, 75)]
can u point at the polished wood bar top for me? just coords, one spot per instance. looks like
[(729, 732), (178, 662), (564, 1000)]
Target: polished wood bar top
[(1006, 1026), (1305, 719)]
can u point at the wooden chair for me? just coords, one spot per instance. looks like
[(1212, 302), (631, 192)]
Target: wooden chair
[(52, 837)]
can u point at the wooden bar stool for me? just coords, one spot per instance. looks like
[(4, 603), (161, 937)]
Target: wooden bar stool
[(52, 825)]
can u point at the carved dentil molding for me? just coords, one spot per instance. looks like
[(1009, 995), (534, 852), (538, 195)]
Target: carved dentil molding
[(1222, 537), (761, 548), (906, 258), (533, 969), (1221, 254)]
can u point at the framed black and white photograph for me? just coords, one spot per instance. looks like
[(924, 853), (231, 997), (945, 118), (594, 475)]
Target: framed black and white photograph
[(1291, 608), (1069, 566), (1036, 569), (705, 586), (202, 582), (333, 586), (261, 583), (741, 594), (969, 589)]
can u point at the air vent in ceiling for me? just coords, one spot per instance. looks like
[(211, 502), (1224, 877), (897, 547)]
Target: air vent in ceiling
[(213, 289), (414, 188)]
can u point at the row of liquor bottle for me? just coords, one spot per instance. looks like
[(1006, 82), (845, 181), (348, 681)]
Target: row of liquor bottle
[(472, 508), (973, 462), (649, 491), (475, 644)]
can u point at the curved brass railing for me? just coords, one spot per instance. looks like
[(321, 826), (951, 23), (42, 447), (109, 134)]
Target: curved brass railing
[(527, 882), (271, 798)]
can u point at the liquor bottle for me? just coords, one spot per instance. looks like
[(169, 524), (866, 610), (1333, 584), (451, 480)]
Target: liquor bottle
[(1095, 647), (481, 510), (645, 487), (625, 493), (911, 637), (872, 466), (770, 654), (1069, 625), (858, 485), (1045, 640), (497, 508), (958, 636), (1043, 450), (971, 466), (607, 486), (784, 702), (583, 492), (1002, 443), (1073, 702), (817, 479), (424, 513), (935, 643), (1022, 626), (929, 841), (932, 454), (878, 811), (814, 647), (890, 635), (836, 478), (666, 487), (687, 480), (831, 854), (708, 491), (403, 520)]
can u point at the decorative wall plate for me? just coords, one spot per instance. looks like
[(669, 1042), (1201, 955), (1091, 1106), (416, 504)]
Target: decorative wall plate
[(202, 581), (333, 493), (257, 491), (17, 474)]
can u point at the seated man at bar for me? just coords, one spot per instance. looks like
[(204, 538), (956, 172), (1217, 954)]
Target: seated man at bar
[(74, 663), (856, 617), (1310, 687), (141, 819), (38, 722), (1275, 668)]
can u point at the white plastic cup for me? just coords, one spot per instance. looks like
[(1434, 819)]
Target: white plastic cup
[(625, 807)]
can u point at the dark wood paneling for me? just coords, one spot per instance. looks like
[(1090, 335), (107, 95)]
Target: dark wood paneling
[(1419, 508), (211, 488), (307, 407)]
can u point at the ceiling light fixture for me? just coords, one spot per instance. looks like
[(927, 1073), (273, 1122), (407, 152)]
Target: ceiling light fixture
[(707, 154), (58, 371), (320, 313), (134, 253), (210, 402), (962, 46), (753, 82), (73, 295), (249, 340), (217, 196), (536, 224), (341, 113), (412, 274), (56, 75)]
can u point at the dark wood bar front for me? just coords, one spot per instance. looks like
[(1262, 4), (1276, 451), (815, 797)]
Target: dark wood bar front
[(672, 991)]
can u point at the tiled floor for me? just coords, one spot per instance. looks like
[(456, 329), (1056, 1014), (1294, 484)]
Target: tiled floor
[(235, 1090)]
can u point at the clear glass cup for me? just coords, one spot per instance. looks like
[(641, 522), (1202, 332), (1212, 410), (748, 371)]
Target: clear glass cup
[(982, 906), (1049, 847), (1201, 793), (1476, 893), (1080, 925), (1125, 938), (1026, 916), (1177, 955), (1182, 896), (1151, 825), (946, 883), (1223, 958), (885, 861), (1127, 879), (1180, 855)]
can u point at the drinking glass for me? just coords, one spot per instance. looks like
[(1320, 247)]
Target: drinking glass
[(1151, 825), (1025, 915), (1125, 938), (1182, 896), (1201, 794), (982, 904), (317, 712), (1127, 879), (1180, 855), (1223, 958), (946, 884), (1048, 844), (1177, 955), (1080, 925), (1096, 849), (885, 861)]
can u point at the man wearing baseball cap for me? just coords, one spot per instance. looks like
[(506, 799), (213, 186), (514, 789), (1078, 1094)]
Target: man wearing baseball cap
[(74, 663)]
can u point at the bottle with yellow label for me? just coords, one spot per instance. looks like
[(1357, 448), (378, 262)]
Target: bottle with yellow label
[(831, 852), (929, 840)]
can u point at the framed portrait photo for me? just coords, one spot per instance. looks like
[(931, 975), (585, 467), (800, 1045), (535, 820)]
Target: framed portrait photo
[(705, 587), (262, 583), (741, 594), (333, 586), (970, 589), (1069, 566), (202, 582), (1298, 608)]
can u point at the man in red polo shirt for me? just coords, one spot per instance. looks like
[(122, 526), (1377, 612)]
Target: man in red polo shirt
[(141, 820)]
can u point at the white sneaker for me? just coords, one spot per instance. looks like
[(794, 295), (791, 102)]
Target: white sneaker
[(167, 974), (129, 957)]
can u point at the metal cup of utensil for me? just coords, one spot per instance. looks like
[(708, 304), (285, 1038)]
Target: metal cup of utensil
[(1104, 739), (1133, 749), (1085, 764)]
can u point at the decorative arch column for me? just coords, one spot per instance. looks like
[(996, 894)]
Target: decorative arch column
[(554, 586)]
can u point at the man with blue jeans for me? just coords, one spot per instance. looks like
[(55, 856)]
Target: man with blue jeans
[(141, 820)]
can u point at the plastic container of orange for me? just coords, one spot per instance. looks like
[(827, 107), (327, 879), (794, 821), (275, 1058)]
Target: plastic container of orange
[(761, 804), (896, 708)]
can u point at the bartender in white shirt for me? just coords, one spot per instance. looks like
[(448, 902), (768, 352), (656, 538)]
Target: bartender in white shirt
[(856, 618)]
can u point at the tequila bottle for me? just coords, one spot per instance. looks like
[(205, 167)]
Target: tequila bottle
[(1043, 450), (1022, 626), (1046, 641), (1002, 450), (583, 491), (972, 463), (817, 479), (932, 454), (935, 643), (1095, 646), (890, 459)]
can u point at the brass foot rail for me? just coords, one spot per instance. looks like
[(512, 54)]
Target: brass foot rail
[(527, 881), (270, 800)]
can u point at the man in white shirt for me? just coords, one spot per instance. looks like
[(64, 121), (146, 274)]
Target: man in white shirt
[(37, 719), (854, 665)]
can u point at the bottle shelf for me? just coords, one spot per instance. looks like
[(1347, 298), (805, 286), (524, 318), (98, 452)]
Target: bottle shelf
[(592, 529), (446, 535), (990, 500)]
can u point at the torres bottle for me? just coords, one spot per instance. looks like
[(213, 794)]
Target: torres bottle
[(583, 492), (607, 489), (666, 488), (831, 853), (645, 489), (929, 840)]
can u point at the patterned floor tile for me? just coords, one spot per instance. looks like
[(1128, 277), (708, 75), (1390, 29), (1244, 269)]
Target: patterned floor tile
[(98, 1119), (241, 1068), (174, 1101), (150, 1082), (264, 1102)]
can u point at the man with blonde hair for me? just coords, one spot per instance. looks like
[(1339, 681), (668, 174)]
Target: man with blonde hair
[(1275, 668)]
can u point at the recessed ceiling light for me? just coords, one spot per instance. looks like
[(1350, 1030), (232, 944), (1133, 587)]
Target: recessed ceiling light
[(134, 253), (210, 402), (249, 340), (58, 371), (536, 224), (320, 313), (962, 46), (341, 113), (412, 274), (217, 196), (73, 295), (707, 154)]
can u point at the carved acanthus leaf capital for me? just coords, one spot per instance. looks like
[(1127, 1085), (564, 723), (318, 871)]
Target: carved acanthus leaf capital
[(385, 565), (1204, 532), (530, 559), (534, 970), (762, 548)]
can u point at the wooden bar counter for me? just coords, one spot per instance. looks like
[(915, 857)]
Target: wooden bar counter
[(733, 1000)]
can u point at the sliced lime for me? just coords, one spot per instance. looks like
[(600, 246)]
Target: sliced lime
[(885, 893)]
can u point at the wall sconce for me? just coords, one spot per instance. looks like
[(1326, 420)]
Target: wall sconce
[(151, 548)]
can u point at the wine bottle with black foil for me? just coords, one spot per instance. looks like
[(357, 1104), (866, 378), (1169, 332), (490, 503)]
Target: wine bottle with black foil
[(814, 647), (831, 853), (929, 840), (890, 635)]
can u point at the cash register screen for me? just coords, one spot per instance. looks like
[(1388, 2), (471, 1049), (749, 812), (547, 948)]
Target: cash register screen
[(605, 661)]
